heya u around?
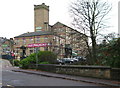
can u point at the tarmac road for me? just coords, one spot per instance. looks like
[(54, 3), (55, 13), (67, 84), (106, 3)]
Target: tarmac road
[(10, 78)]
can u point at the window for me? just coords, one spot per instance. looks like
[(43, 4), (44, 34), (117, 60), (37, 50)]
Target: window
[(24, 41), (31, 39), (38, 39), (46, 49), (46, 38), (17, 42)]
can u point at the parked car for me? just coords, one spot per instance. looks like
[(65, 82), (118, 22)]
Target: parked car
[(59, 61), (7, 57), (68, 60), (65, 61), (80, 58), (74, 59)]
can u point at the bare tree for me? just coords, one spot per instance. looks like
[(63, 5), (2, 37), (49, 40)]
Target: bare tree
[(89, 17)]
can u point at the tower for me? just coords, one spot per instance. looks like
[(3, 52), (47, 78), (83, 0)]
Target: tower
[(41, 17)]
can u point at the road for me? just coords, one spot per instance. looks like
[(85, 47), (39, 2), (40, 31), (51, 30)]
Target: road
[(10, 78), (22, 79)]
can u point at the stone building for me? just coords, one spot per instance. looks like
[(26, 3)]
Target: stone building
[(43, 40), (53, 38), (6, 46)]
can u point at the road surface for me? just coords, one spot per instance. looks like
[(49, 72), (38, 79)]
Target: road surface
[(22, 79), (10, 78)]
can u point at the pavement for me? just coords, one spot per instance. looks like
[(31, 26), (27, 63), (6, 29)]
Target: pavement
[(103, 82), (4, 63)]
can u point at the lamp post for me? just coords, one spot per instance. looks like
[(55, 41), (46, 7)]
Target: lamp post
[(36, 51), (37, 48)]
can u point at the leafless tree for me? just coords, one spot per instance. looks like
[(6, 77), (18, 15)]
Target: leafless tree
[(89, 17)]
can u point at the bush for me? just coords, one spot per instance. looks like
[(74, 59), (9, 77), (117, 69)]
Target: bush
[(11, 61), (25, 63), (16, 62), (109, 54), (47, 56), (44, 57), (44, 63)]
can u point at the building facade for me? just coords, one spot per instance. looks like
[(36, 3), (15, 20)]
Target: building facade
[(72, 38), (47, 37), (6, 46)]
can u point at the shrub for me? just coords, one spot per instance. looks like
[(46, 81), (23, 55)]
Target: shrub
[(44, 63), (109, 54), (44, 57), (16, 62), (11, 61), (25, 63), (47, 56)]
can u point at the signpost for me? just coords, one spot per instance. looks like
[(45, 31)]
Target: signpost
[(36, 49)]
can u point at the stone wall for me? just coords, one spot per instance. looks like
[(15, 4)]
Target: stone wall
[(115, 74), (103, 72), (90, 71)]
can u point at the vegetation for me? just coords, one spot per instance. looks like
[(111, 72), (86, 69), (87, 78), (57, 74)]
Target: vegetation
[(44, 63), (14, 62), (89, 17), (46, 56), (108, 53), (42, 57), (25, 63)]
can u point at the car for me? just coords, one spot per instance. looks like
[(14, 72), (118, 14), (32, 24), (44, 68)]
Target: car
[(68, 60), (74, 59), (59, 61), (65, 61), (80, 58)]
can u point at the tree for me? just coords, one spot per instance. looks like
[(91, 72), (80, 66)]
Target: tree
[(109, 53), (89, 17)]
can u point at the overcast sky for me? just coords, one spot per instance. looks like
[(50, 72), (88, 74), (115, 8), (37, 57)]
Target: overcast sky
[(17, 16)]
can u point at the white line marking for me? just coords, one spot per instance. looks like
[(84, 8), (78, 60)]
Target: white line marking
[(8, 85)]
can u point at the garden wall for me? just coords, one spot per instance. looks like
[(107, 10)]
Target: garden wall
[(103, 72)]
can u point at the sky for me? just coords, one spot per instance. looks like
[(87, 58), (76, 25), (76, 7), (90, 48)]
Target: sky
[(17, 16)]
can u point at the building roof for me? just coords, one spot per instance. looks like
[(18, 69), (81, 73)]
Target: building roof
[(68, 27), (41, 6), (2, 40), (30, 34)]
